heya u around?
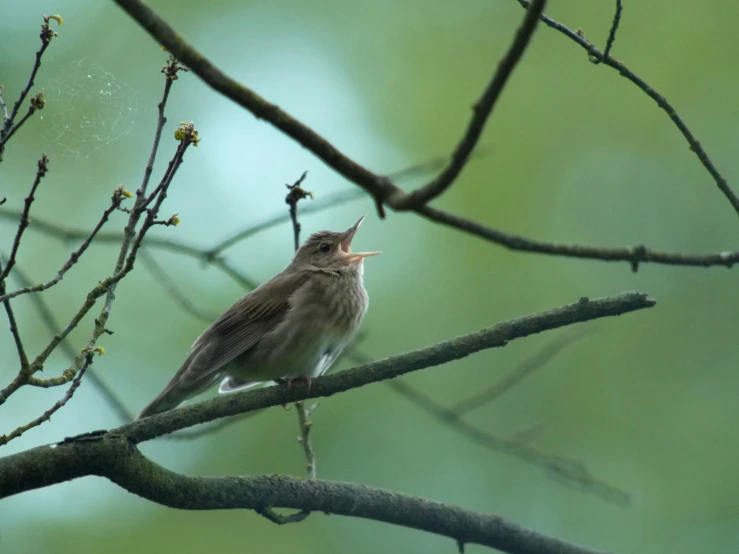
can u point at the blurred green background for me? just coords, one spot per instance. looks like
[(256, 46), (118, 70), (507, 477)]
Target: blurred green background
[(576, 154)]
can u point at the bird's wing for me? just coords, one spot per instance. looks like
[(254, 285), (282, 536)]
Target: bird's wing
[(241, 327), (235, 332)]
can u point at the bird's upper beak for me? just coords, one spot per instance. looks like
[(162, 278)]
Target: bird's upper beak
[(346, 243)]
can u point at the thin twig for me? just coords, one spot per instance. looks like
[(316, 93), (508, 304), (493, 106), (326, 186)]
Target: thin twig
[(614, 28), (570, 472), (596, 56), (519, 373), (320, 204), (46, 416), (53, 326), (295, 194), (24, 220), (22, 356), (118, 196), (9, 127), (170, 70), (173, 289), (481, 112)]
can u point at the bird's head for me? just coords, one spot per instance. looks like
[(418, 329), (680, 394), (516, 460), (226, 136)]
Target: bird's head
[(329, 250)]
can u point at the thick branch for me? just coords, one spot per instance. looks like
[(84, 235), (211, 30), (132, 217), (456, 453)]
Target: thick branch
[(117, 459)]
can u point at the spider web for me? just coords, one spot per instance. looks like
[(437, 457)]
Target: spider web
[(87, 108)]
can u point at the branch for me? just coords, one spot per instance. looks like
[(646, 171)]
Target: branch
[(596, 56), (46, 416), (116, 459), (384, 191), (614, 28), (492, 337), (482, 110), (42, 169), (52, 325), (8, 128), (118, 196), (295, 194)]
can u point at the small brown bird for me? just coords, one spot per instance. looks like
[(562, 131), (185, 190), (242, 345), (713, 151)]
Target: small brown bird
[(294, 326)]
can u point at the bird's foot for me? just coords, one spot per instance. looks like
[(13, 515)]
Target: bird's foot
[(288, 383)]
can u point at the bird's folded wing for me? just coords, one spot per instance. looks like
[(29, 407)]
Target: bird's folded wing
[(241, 327)]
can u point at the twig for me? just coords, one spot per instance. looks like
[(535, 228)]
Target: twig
[(614, 28), (52, 325), (596, 56), (634, 255), (295, 194), (8, 128), (173, 289), (118, 196), (482, 110), (22, 356), (570, 472), (170, 70), (24, 221), (320, 204), (519, 373), (46, 416)]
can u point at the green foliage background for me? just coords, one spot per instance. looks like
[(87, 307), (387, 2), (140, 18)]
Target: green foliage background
[(576, 154)]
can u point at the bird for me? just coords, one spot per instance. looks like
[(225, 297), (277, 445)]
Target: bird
[(292, 327)]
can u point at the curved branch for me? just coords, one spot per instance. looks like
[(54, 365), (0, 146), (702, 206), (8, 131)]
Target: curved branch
[(482, 110), (383, 190), (596, 56), (116, 459)]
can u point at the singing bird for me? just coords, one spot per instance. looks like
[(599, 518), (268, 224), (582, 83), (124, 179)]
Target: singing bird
[(294, 326)]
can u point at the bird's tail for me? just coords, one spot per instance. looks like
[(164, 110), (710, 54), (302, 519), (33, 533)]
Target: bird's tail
[(169, 399)]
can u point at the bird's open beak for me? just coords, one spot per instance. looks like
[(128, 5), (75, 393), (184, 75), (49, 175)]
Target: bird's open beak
[(346, 244)]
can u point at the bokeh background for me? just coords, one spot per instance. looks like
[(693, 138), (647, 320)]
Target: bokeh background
[(575, 153)]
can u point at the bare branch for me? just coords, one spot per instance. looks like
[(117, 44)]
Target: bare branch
[(295, 194), (614, 28), (569, 472), (114, 457), (9, 127), (519, 373), (320, 204), (596, 56), (46, 416), (41, 171), (634, 255), (492, 337), (482, 110), (52, 325), (22, 356), (118, 196), (384, 191)]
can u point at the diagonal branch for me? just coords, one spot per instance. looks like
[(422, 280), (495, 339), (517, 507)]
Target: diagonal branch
[(454, 349), (482, 110), (42, 169), (596, 56)]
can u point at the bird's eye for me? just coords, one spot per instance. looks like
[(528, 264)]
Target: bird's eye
[(324, 247)]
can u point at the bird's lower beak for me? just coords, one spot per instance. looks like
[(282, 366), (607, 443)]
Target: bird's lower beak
[(346, 244)]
